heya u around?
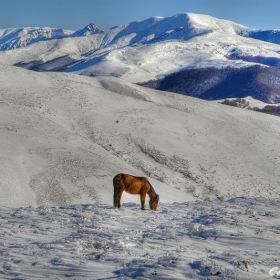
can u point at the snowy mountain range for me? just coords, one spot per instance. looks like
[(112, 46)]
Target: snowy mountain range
[(180, 26), (151, 49)]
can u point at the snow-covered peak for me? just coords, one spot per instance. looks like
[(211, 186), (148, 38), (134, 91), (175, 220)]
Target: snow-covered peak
[(227, 26), (190, 21), (150, 30), (90, 29), (209, 22), (180, 27), (183, 26)]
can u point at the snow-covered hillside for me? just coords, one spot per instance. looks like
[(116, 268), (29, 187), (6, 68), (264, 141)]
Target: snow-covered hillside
[(63, 139)]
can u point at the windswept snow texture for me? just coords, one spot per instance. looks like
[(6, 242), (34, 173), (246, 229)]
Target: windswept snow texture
[(236, 239)]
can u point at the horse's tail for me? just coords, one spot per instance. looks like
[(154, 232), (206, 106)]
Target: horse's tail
[(115, 203), (117, 182)]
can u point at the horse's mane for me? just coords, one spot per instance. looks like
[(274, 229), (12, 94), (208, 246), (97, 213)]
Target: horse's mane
[(152, 189)]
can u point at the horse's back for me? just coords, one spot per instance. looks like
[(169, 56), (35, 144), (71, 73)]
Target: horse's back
[(129, 178)]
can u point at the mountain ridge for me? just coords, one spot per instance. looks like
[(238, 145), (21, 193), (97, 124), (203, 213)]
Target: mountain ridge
[(20, 37), (181, 20), (149, 49)]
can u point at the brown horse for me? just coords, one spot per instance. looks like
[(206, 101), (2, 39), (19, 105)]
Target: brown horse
[(134, 185)]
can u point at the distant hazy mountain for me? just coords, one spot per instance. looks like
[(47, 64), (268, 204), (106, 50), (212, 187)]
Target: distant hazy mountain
[(155, 48)]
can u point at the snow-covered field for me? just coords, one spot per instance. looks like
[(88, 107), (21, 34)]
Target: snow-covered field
[(236, 239), (62, 139)]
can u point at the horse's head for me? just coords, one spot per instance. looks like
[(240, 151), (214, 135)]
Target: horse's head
[(154, 202)]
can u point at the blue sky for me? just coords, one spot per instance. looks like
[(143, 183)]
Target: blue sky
[(76, 14)]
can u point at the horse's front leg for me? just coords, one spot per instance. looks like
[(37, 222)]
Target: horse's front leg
[(142, 199)]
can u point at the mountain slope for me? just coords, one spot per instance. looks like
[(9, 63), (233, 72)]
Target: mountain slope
[(64, 137)]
